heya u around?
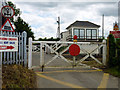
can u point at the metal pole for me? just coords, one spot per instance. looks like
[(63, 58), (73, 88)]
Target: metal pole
[(74, 62), (103, 25), (42, 56), (74, 58), (58, 31)]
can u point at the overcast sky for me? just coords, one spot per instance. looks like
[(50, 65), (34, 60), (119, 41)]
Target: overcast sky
[(42, 14)]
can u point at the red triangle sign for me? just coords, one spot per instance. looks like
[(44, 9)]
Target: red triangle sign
[(7, 26)]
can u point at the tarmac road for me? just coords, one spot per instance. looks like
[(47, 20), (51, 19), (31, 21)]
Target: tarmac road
[(66, 77)]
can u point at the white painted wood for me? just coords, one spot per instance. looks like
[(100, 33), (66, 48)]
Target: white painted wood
[(0, 58), (7, 52), (104, 52), (13, 52), (65, 59), (10, 52), (64, 50), (89, 53), (24, 45), (19, 48), (95, 59), (81, 60), (16, 55), (59, 47), (41, 54), (85, 34), (30, 54), (16, 52), (52, 42), (51, 60), (57, 54), (74, 61), (53, 46)]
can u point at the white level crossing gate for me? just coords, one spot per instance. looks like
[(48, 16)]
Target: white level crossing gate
[(55, 53)]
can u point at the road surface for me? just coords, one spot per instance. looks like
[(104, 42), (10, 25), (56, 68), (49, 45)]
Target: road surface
[(68, 77)]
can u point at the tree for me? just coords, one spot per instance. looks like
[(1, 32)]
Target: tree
[(17, 10), (49, 39), (20, 24)]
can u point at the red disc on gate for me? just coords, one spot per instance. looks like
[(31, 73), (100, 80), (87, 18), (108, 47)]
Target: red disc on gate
[(74, 50)]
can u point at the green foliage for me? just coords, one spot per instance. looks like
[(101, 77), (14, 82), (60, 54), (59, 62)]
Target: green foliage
[(118, 52), (17, 10), (113, 71), (20, 24), (114, 52), (49, 39)]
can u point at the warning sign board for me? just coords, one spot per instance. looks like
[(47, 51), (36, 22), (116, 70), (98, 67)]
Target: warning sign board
[(7, 12), (7, 26), (8, 44), (116, 28), (116, 34)]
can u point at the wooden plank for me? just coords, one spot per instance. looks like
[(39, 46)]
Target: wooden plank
[(30, 54), (17, 52), (19, 38), (25, 53), (104, 52), (22, 47), (4, 62), (8, 52), (95, 59), (11, 52)]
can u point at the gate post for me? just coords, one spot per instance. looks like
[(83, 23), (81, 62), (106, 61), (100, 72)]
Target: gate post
[(30, 54), (25, 53), (104, 52), (41, 54)]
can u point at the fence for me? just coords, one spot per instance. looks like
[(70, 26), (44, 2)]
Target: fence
[(16, 57), (45, 60)]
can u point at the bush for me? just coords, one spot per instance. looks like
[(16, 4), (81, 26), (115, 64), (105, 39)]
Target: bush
[(112, 52), (118, 52)]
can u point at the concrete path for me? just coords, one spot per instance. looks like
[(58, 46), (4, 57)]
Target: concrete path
[(80, 77)]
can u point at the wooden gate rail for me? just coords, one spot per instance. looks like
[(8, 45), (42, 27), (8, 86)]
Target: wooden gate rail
[(57, 45)]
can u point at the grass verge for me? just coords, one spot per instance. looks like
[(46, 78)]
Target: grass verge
[(17, 76), (113, 71)]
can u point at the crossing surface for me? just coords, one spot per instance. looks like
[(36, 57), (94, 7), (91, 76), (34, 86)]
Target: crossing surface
[(79, 78), (69, 77)]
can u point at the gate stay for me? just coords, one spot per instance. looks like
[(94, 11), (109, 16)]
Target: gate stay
[(52, 50)]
